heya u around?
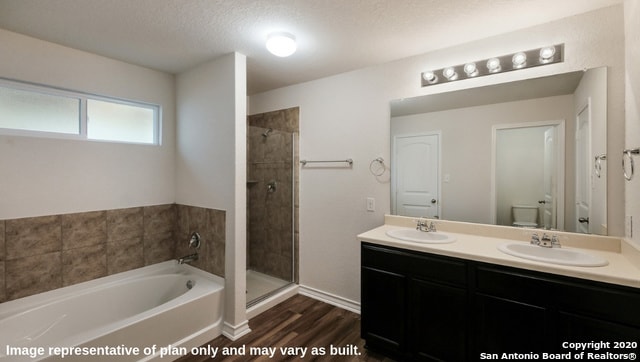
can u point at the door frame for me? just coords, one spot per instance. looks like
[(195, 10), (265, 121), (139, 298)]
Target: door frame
[(560, 166), (585, 105), (394, 171)]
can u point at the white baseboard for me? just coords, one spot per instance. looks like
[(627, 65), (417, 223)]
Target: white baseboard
[(329, 298), (237, 331)]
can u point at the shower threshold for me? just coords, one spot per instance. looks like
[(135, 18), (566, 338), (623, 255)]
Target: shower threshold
[(260, 286)]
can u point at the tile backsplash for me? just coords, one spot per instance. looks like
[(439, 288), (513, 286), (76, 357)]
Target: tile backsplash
[(43, 253)]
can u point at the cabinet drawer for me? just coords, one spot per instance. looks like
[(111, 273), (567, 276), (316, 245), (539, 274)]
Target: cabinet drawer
[(442, 270), (415, 264), (383, 258), (513, 285), (613, 303)]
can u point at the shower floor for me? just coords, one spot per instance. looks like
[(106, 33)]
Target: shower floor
[(260, 285)]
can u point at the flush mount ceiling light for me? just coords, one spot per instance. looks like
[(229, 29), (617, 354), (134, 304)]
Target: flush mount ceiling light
[(519, 60), (281, 44)]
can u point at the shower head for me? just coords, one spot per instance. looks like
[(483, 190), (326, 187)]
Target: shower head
[(266, 133)]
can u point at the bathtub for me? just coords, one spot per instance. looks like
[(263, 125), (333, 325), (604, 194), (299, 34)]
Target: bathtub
[(162, 308)]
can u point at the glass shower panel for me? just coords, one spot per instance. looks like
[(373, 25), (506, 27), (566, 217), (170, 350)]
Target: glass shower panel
[(270, 211)]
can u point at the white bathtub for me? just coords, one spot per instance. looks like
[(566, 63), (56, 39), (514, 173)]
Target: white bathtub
[(143, 308)]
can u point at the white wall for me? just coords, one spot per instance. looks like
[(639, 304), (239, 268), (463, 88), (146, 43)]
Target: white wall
[(52, 176), (211, 159), (632, 107), (347, 115)]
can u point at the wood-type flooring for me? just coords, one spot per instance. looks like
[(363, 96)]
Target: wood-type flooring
[(331, 332)]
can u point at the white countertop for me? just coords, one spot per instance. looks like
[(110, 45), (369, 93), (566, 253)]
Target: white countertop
[(481, 245)]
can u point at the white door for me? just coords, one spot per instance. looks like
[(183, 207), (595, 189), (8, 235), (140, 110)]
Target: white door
[(583, 170), (415, 173)]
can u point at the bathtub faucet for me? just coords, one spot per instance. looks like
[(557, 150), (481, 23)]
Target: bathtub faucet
[(194, 243), (188, 258)]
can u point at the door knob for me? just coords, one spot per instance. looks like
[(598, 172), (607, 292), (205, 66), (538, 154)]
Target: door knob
[(433, 201), (583, 220)]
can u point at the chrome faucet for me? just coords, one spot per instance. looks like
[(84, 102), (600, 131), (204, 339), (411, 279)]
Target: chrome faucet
[(194, 243), (425, 225), (546, 241), (549, 242), (188, 258)]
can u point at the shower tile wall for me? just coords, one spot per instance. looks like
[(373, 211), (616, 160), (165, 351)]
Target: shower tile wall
[(269, 214), (43, 253)]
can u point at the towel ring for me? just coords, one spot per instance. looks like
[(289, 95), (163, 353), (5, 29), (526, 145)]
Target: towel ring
[(628, 154), (381, 170), (598, 164)]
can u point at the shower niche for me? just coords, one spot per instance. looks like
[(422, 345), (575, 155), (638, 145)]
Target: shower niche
[(272, 194)]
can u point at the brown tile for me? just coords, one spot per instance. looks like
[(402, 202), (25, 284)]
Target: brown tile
[(32, 236), (32, 275), (159, 219), (84, 229), (82, 264), (2, 244), (159, 248), (3, 294), (125, 224), (123, 255)]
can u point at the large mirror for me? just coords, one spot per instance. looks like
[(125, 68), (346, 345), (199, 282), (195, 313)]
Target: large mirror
[(529, 153)]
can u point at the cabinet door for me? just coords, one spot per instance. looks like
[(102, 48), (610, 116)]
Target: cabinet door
[(383, 310), (579, 328), (507, 326), (437, 321)]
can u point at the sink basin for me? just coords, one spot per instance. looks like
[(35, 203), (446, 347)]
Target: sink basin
[(560, 256), (431, 237)]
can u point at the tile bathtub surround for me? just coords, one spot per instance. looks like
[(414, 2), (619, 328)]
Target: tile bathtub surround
[(210, 224), (43, 253)]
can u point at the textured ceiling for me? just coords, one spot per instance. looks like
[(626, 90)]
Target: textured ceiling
[(334, 36)]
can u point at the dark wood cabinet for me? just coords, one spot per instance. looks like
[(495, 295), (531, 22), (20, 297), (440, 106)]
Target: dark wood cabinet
[(419, 306)]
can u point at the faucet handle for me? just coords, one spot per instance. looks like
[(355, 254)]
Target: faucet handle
[(555, 243), (535, 239)]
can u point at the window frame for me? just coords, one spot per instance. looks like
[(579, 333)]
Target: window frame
[(82, 97)]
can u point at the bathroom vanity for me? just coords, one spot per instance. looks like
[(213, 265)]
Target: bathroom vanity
[(466, 300)]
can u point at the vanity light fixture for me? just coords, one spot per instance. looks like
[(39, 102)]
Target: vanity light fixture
[(516, 61), (281, 44)]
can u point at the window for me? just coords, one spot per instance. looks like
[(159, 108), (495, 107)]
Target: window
[(34, 110)]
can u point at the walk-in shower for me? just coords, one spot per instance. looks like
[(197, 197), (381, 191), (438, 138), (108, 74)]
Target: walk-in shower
[(271, 212)]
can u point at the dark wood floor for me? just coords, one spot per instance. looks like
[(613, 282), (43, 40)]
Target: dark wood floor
[(297, 322)]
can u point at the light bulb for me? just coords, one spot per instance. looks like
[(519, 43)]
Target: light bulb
[(493, 65), (450, 73), (470, 69), (547, 53), (519, 60), (430, 77)]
